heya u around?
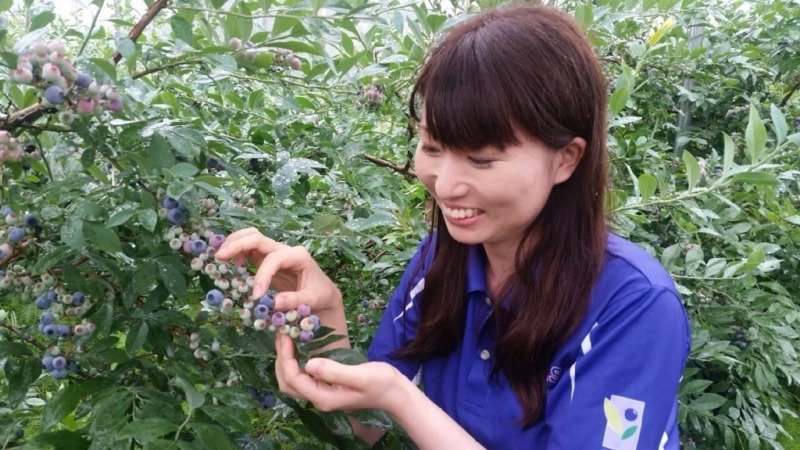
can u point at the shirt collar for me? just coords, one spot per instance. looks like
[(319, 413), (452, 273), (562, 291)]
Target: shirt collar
[(476, 270)]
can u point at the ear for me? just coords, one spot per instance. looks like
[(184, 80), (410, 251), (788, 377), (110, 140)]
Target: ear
[(567, 159)]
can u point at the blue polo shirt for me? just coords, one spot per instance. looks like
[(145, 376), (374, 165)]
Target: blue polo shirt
[(612, 385)]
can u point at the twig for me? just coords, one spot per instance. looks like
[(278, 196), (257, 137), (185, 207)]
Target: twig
[(16, 331), (53, 128), (17, 252), (23, 116), (137, 30), (165, 66), (91, 28), (405, 170), (790, 93)]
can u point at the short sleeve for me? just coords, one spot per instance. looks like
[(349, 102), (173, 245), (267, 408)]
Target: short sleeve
[(401, 317), (620, 394)]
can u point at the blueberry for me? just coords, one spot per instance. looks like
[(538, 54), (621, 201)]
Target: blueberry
[(51, 329), (213, 164), (216, 240), (51, 296), (5, 210), (59, 373), (30, 221), (83, 79), (78, 298), (30, 148), (16, 235), (199, 246), (59, 362), (261, 311), (63, 330), (176, 216), (47, 363), (306, 336), (42, 302), (267, 400), (631, 414), (170, 203), (214, 297), (278, 319), (316, 321), (267, 301), (304, 310), (54, 95), (46, 318)]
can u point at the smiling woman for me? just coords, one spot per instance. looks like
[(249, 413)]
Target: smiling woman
[(527, 323)]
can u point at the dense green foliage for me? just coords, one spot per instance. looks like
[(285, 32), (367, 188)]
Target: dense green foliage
[(703, 139)]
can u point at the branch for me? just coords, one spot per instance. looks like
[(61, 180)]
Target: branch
[(165, 66), (23, 116), (137, 30), (790, 93), (405, 170), (8, 326)]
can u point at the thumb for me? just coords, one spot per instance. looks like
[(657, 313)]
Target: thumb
[(287, 300), (333, 372)]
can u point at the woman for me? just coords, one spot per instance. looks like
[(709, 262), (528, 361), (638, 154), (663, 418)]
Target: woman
[(527, 323)]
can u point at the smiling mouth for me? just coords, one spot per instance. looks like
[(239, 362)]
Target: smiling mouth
[(461, 213)]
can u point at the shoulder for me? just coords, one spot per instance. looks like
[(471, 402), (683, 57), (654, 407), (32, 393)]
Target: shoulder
[(629, 263)]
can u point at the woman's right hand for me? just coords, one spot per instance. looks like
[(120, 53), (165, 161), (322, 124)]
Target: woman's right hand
[(290, 270)]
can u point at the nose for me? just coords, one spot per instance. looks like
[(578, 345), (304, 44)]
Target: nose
[(451, 177)]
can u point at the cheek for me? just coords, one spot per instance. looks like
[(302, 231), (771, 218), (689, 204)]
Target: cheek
[(423, 167)]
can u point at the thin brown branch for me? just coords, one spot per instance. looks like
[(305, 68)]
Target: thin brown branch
[(165, 66), (137, 30), (790, 93), (23, 116), (54, 128), (18, 251), (405, 170), (8, 326)]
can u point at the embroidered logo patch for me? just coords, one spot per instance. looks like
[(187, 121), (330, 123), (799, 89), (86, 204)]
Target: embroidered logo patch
[(623, 422)]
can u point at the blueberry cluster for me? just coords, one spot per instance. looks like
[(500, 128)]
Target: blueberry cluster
[(46, 67), (370, 96), (16, 229), (56, 364), (739, 338), (11, 150), (253, 59)]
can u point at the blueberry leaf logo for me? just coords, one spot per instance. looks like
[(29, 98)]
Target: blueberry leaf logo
[(612, 416), (629, 432)]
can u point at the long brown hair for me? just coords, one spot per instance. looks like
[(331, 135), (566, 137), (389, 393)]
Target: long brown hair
[(522, 69)]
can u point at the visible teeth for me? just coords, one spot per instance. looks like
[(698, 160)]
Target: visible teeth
[(460, 213)]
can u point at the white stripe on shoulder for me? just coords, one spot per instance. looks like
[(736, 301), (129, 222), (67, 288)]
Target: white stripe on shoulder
[(586, 345), (664, 440), (413, 294)]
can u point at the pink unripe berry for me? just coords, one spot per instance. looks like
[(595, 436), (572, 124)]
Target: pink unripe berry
[(306, 336), (79, 330), (85, 105), (235, 43), (227, 305), (50, 72), (23, 76), (296, 64), (57, 46), (304, 310), (187, 247)]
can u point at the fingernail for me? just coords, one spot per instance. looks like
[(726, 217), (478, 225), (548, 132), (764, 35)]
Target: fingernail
[(313, 365), (280, 299)]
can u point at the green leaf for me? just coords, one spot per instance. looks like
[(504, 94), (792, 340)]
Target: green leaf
[(148, 218), (694, 386), (584, 14), (184, 170), (5, 5), (20, 373), (233, 418), (159, 153), (629, 432), (72, 233), (708, 402), (147, 429), (182, 29), (42, 20), (103, 238), (647, 186), (60, 405), (170, 274), (755, 136), (757, 178), (692, 169), (106, 66), (728, 155), (778, 124), (194, 398), (136, 337), (212, 436), (618, 100), (120, 217), (125, 46), (8, 348), (347, 356)]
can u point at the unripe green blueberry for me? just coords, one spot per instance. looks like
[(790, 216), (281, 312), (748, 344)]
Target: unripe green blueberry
[(294, 332), (244, 313), (291, 315), (175, 244), (260, 324)]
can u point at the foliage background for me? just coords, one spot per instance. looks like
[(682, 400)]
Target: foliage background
[(703, 140)]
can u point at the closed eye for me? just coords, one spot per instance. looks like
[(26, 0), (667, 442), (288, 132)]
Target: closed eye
[(479, 162)]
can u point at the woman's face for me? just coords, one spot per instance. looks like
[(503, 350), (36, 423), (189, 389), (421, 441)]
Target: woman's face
[(490, 196)]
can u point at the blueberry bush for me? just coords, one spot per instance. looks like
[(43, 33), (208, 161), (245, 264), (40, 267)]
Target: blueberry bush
[(136, 136)]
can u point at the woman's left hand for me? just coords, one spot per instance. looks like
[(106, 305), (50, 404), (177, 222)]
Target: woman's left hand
[(330, 385)]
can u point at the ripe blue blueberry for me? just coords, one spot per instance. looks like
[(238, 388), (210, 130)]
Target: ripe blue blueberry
[(16, 235), (170, 203), (631, 414), (261, 311), (176, 216), (306, 336), (267, 301), (46, 318), (214, 297), (216, 241), (54, 95), (30, 221), (199, 246), (63, 330), (50, 329), (78, 298), (316, 321), (83, 79), (47, 363), (267, 400), (51, 296), (59, 373), (5, 210), (59, 362), (42, 302)]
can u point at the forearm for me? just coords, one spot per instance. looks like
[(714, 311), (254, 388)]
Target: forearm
[(427, 424)]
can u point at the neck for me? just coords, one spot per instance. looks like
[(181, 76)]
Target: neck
[(499, 267)]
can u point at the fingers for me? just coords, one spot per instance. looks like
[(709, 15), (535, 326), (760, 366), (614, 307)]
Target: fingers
[(246, 241), (329, 371), (294, 259), (291, 379)]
